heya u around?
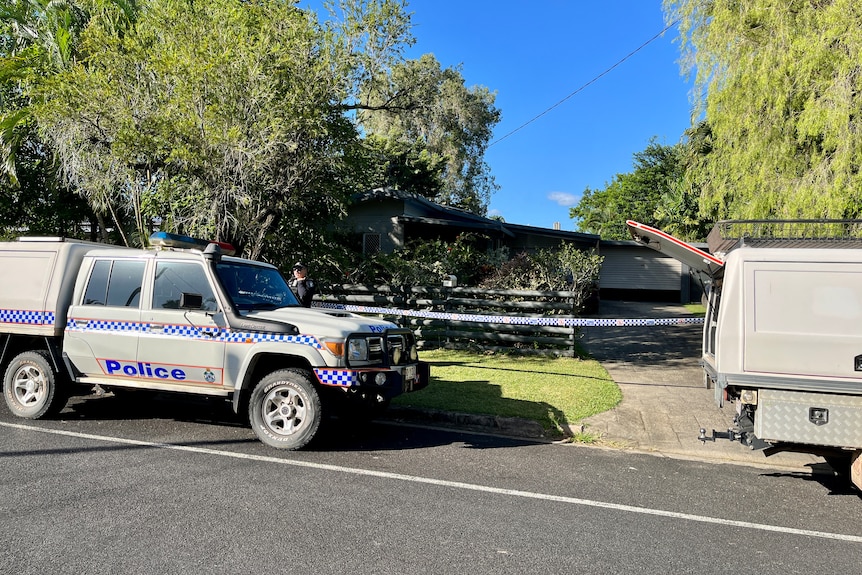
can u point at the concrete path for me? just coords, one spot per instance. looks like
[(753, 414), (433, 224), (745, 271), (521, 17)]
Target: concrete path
[(664, 401)]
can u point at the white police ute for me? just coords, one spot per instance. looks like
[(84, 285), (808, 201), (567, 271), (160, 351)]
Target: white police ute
[(183, 316)]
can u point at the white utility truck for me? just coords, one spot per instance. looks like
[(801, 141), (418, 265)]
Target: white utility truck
[(782, 336), (184, 317)]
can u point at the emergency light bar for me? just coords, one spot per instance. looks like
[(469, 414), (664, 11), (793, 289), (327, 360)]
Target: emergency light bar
[(168, 240)]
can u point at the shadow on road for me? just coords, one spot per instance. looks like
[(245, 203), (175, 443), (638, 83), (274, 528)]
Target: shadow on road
[(823, 474), (221, 428)]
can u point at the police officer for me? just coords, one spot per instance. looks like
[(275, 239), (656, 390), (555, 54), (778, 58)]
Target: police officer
[(304, 286)]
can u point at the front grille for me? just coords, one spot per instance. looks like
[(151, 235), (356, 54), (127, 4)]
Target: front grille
[(375, 349), (394, 348)]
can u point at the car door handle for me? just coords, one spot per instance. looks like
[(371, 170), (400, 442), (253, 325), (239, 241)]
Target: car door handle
[(156, 328)]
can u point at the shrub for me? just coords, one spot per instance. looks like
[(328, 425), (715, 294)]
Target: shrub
[(566, 269), (429, 262)]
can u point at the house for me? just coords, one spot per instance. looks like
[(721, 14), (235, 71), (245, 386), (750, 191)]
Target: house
[(631, 272), (388, 219)]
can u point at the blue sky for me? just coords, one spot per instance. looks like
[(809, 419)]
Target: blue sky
[(534, 54)]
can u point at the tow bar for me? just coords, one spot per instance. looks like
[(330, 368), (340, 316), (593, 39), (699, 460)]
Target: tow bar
[(729, 434)]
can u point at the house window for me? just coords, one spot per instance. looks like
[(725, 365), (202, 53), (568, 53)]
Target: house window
[(370, 244)]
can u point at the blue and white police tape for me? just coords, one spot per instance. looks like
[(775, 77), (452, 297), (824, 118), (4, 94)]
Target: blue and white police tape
[(513, 320)]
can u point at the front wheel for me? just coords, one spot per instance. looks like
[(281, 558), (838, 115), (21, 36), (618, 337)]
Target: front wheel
[(30, 386), (284, 409)]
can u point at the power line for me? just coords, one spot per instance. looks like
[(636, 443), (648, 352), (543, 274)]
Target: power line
[(595, 79)]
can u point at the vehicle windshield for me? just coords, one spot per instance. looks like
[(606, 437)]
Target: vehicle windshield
[(252, 287)]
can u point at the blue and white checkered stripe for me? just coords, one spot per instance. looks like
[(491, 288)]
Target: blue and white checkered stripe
[(255, 337), (104, 326), (514, 320), (336, 377), (29, 317), (179, 330), (191, 332)]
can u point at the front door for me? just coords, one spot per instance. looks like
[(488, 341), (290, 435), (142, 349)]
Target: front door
[(181, 346)]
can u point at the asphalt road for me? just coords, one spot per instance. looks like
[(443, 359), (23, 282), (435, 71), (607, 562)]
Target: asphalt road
[(181, 487)]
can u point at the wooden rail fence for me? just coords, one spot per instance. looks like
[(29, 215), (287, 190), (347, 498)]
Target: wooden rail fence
[(453, 333)]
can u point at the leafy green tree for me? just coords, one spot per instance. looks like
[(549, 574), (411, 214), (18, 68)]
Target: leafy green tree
[(649, 194), (223, 119), (38, 38), (403, 166), (34, 205), (778, 85), (234, 120), (428, 112)]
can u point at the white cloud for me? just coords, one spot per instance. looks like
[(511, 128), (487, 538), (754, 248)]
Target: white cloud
[(564, 199), (494, 213)]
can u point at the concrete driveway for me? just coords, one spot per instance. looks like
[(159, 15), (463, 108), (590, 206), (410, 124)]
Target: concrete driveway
[(664, 401)]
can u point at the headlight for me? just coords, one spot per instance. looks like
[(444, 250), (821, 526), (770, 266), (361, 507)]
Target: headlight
[(357, 350)]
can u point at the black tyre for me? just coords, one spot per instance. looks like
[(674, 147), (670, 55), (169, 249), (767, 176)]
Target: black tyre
[(284, 409), (30, 386)]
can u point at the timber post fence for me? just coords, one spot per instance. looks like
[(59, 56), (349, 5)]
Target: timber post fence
[(491, 331)]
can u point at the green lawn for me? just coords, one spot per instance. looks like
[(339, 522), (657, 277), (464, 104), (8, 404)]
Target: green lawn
[(696, 309), (552, 391)]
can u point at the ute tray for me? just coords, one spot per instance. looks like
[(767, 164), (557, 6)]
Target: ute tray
[(728, 235)]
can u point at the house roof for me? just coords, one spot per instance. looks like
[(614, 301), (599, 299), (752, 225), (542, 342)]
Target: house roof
[(437, 214), (550, 232), (491, 225)]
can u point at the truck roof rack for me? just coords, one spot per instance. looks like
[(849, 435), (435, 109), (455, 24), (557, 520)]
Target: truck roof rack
[(728, 235), (50, 239)]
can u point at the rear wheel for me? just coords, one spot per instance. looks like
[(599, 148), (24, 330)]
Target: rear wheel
[(285, 410), (30, 386)]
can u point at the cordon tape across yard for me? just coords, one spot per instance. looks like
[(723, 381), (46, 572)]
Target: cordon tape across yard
[(514, 320)]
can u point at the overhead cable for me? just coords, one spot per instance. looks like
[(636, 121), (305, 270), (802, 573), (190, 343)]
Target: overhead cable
[(596, 78)]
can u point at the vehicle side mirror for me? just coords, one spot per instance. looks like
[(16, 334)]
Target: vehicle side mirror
[(191, 301)]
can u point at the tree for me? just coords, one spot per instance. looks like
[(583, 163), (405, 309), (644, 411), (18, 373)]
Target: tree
[(236, 120), (223, 119), (647, 194), (427, 112), (38, 38), (32, 203), (408, 167), (779, 88)]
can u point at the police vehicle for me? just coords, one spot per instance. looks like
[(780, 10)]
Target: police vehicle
[(782, 339), (185, 316)]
